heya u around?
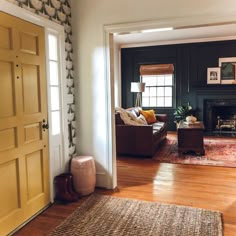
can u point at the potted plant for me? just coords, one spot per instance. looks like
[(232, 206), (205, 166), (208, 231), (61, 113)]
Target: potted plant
[(181, 112)]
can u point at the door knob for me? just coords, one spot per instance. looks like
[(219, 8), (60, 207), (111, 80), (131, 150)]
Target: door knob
[(44, 125)]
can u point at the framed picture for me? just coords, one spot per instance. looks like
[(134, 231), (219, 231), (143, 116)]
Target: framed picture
[(227, 66), (213, 75)]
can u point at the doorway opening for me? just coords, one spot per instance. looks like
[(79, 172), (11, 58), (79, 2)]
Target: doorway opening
[(129, 35)]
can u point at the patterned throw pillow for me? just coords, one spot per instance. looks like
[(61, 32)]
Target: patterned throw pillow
[(149, 116)]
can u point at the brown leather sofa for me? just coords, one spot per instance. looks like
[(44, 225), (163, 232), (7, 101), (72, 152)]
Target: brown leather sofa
[(141, 140)]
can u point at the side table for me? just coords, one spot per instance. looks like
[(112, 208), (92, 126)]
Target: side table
[(190, 137)]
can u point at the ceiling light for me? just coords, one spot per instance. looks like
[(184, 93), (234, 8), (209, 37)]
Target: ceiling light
[(157, 30)]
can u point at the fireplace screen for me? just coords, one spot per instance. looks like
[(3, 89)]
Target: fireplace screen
[(220, 115), (226, 124)]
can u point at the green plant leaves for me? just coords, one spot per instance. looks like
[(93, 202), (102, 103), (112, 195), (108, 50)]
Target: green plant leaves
[(181, 112)]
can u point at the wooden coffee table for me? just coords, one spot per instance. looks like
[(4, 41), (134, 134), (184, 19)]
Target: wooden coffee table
[(190, 137)]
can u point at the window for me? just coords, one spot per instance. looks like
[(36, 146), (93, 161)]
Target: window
[(159, 85), (54, 85)]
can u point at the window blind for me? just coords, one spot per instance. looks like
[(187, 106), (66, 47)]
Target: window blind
[(156, 69)]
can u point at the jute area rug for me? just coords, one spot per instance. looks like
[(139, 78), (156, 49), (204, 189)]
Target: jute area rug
[(218, 152), (112, 216)]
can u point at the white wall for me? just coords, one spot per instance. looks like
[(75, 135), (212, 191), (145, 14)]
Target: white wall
[(88, 20)]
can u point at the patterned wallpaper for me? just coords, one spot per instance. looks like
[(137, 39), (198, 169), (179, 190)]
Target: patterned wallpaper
[(59, 12)]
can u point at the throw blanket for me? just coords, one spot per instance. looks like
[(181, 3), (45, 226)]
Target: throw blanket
[(129, 118)]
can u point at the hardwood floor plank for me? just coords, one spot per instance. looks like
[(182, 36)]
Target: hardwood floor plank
[(206, 187)]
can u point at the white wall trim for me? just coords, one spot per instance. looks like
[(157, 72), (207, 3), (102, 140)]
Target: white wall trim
[(196, 21), (171, 42), (29, 16), (101, 178), (110, 135), (177, 23), (52, 27), (58, 163)]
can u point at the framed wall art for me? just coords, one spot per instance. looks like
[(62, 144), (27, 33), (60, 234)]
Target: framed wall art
[(213, 75), (227, 66)]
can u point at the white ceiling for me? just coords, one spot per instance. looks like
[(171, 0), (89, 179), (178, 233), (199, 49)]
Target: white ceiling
[(185, 35)]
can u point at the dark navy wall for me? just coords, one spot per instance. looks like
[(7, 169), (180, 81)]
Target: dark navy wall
[(191, 62)]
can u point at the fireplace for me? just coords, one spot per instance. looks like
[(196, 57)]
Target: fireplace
[(220, 116)]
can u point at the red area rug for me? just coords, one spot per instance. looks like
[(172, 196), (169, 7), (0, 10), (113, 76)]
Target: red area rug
[(218, 152)]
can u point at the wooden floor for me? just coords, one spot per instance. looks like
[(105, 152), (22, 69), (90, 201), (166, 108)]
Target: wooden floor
[(207, 187)]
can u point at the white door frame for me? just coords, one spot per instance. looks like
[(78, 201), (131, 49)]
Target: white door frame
[(50, 27), (112, 64)]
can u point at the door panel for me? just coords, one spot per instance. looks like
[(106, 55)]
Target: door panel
[(28, 43), (7, 139), (30, 84), (6, 89), (24, 180), (32, 132), (5, 42), (9, 188), (34, 171)]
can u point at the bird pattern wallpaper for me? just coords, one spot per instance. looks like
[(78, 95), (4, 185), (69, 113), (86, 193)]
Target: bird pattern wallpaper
[(59, 12)]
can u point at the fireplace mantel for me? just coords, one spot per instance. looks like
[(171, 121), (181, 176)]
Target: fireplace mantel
[(220, 102)]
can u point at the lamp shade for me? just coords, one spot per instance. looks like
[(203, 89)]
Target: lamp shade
[(137, 87)]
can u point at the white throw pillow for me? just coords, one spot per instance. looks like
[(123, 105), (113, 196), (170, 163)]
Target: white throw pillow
[(141, 119), (131, 115)]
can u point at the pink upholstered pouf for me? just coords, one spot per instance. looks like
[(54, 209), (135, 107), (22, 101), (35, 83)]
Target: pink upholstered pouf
[(84, 174)]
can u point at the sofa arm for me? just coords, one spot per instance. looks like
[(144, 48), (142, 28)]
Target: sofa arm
[(161, 117)]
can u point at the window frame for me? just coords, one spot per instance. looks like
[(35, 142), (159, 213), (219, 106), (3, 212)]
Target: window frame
[(173, 91)]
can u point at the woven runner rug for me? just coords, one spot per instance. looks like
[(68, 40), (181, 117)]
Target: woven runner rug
[(102, 215), (218, 152)]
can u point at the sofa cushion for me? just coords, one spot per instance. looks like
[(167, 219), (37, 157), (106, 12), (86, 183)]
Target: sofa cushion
[(149, 116), (158, 126)]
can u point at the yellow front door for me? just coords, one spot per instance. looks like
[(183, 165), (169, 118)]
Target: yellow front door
[(24, 180)]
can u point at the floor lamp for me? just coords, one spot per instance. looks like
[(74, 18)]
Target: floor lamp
[(137, 87)]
